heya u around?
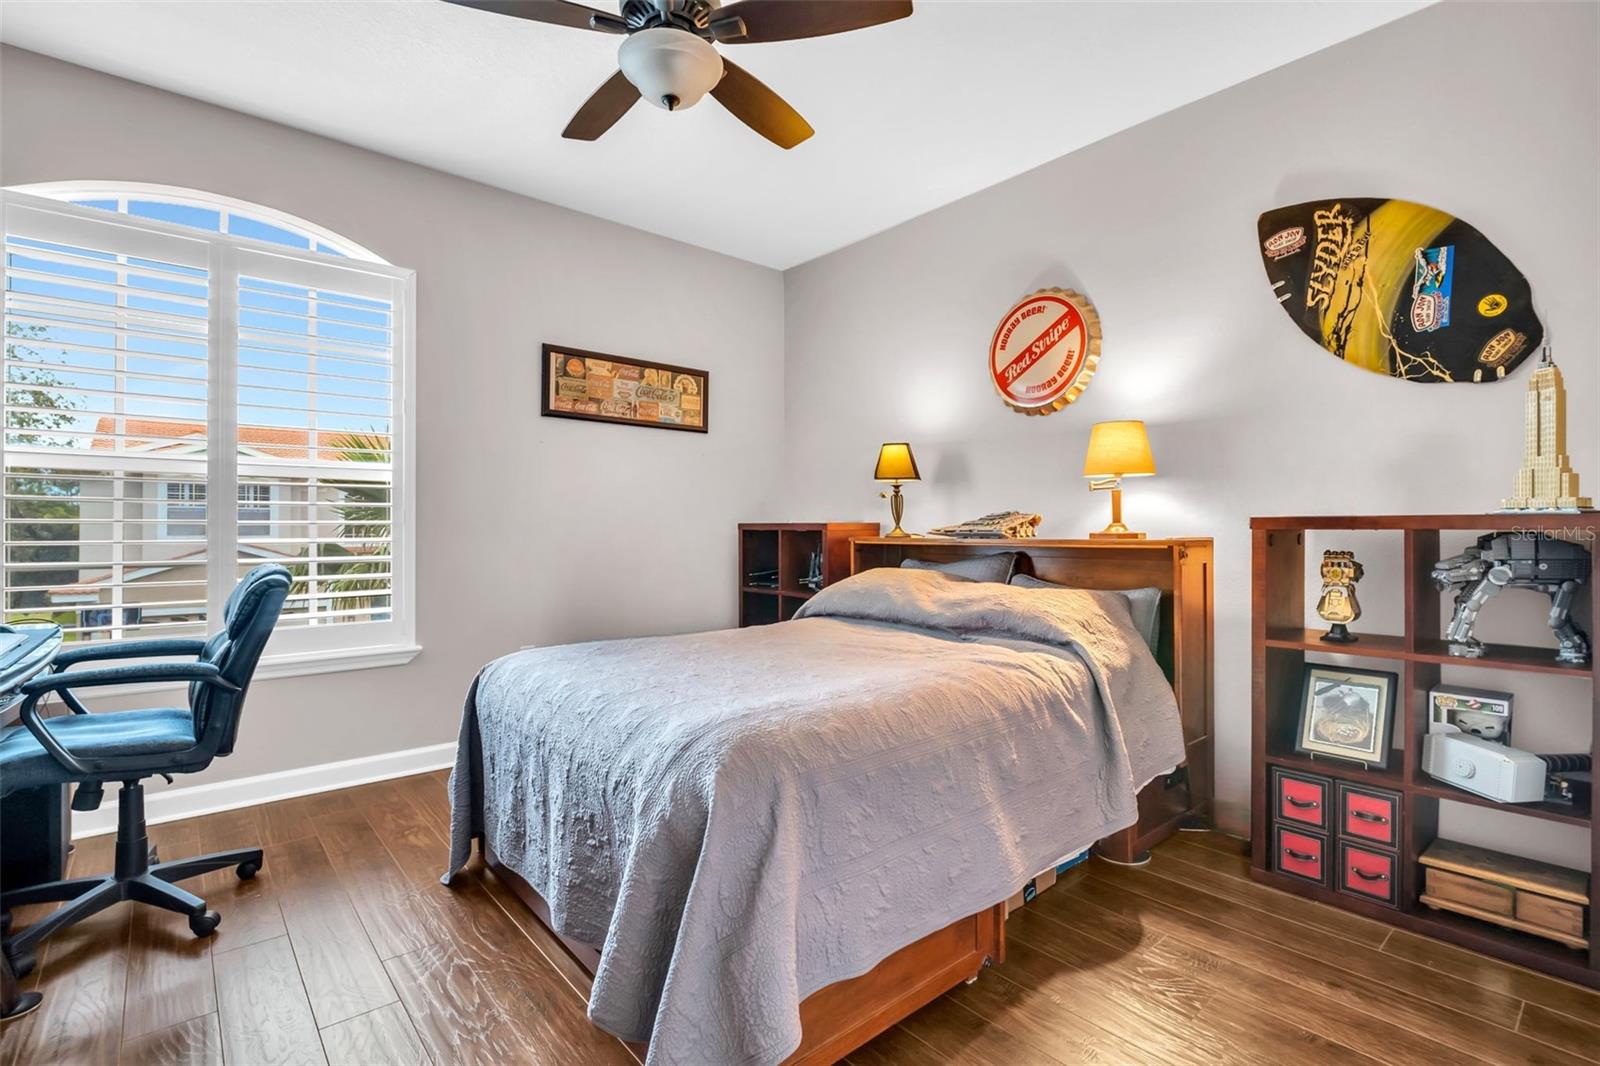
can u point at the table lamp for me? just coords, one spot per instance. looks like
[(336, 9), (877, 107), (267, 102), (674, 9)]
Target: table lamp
[(896, 464), (1117, 450)]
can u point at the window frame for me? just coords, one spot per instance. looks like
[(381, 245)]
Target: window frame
[(164, 502), (269, 525), (293, 650)]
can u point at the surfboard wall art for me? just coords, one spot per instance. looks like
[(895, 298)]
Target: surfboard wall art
[(1399, 288)]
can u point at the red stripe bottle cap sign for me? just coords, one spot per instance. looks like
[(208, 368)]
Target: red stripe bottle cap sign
[(1045, 350)]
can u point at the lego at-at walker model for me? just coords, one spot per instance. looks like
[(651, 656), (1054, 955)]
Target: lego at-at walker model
[(1515, 560)]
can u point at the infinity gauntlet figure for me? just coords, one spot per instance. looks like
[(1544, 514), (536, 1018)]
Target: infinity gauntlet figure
[(1519, 561), (1338, 605)]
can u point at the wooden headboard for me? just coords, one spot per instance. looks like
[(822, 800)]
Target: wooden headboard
[(1182, 570)]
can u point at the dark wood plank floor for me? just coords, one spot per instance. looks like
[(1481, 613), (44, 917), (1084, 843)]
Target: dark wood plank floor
[(346, 949)]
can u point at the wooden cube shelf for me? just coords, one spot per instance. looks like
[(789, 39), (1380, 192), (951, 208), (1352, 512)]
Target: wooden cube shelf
[(1279, 643), (783, 550)]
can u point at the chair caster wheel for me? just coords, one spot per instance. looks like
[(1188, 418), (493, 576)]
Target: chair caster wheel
[(5, 922), (21, 965), (25, 1005), (204, 924), (247, 870)]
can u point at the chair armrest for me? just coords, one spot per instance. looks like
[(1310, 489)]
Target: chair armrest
[(47, 740), (111, 675), (128, 675), (126, 649)]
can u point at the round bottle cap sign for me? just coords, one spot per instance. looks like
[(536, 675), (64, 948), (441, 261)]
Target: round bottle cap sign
[(1045, 350)]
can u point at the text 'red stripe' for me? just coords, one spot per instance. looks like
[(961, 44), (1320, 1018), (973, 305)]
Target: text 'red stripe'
[(1015, 369)]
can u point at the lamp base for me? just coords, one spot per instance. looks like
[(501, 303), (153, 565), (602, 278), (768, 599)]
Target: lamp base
[(1114, 530), (897, 510)]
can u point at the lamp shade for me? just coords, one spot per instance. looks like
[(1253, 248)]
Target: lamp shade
[(1118, 449), (896, 463)]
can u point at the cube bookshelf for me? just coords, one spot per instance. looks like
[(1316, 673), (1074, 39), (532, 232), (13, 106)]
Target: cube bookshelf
[(1287, 787), (783, 550)]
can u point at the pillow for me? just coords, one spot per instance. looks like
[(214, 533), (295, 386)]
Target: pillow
[(995, 567), (1143, 604)]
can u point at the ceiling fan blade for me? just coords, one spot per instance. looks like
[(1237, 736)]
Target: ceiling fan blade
[(789, 20), (759, 107), (601, 111), (555, 12)]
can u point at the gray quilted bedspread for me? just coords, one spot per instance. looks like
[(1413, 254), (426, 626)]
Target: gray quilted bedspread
[(739, 818)]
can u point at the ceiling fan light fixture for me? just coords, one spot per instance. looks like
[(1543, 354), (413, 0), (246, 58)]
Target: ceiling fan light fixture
[(671, 68)]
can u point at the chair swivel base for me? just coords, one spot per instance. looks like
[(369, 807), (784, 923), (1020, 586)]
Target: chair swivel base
[(137, 878), (86, 896)]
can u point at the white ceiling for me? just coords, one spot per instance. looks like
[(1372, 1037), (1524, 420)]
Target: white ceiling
[(909, 115)]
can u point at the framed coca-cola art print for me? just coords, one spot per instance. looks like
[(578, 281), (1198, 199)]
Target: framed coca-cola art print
[(1045, 350), (596, 387)]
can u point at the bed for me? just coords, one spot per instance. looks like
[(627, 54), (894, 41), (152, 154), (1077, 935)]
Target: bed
[(769, 845)]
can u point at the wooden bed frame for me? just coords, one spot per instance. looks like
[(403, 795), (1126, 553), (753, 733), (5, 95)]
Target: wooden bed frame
[(839, 1018)]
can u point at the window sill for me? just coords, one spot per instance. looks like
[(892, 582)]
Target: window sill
[(335, 660), (292, 664)]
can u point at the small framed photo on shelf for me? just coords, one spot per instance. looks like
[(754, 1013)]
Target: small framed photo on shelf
[(1347, 714)]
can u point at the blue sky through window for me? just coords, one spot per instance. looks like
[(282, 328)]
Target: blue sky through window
[(213, 220), (313, 360), (308, 359), (256, 230), (181, 214), (67, 336)]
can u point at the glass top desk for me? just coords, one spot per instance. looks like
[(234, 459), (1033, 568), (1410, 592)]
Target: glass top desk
[(25, 651)]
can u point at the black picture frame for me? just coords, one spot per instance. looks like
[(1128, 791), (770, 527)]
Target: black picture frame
[(1311, 736), (548, 409)]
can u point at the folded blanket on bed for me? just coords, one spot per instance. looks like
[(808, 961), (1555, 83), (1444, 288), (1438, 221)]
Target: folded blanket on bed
[(739, 818)]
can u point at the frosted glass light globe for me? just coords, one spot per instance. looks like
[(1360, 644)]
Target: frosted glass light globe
[(670, 68)]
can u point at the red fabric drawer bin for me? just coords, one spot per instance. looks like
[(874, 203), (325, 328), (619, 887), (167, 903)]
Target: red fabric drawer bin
[(1370, 814), (1301, 798), (1300, 854), (1367, 873)]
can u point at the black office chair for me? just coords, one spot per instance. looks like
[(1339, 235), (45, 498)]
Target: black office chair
[(128, 746)]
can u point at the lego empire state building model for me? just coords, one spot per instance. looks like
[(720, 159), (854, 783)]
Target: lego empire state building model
[(1546, 480)]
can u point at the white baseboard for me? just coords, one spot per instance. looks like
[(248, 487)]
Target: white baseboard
[(172, 804)]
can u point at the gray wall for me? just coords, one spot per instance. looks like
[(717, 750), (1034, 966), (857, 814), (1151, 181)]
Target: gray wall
[(531, 530), (1484, 110)]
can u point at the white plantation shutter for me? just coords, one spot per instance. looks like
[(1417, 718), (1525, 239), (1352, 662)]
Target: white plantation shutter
[(315, 410), (151, 371), (106, 392)]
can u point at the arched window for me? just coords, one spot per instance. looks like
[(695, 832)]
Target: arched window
[(202, 211), (167, 349)]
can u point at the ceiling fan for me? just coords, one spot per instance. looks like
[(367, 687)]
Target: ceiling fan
[(669, 59)]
